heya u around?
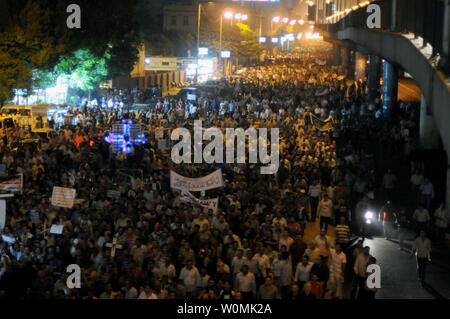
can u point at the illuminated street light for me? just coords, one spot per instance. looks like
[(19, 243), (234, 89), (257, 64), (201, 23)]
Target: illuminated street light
[(293, 22), (311, 27), (244, 17), (276, 19), (301, 21), (285, 20), (274, 40), (228, 15), (238, 16)]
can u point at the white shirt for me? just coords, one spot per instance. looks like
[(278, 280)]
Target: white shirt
[(314, 190), (421, 215), (321, 244), (286, 242), (326, 208), (285, 272), (246, 283), (336, 261), (422, 247), (302, 272), (442, 217), (416, 179), (237, 263), (190, 278)]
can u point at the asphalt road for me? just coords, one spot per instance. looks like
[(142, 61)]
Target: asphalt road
[(399, 272)]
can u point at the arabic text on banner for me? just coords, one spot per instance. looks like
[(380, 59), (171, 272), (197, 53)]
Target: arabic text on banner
[(211, 181), (63, 197), (207, 203)]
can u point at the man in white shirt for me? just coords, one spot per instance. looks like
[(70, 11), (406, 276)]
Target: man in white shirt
[(322, 243), (245, 283), (238, 261), (314, 192), (325, 210), (422, 249), (285, 240), (422, 217), (303, 271), (190, 277), (337, 270)]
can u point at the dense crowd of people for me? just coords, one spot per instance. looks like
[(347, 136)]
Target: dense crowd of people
[(145, 243)]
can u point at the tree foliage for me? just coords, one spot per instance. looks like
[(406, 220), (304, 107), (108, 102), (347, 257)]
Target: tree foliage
[(34, 35)]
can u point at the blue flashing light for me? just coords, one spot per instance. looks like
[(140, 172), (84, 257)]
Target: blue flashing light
[(123, 141)]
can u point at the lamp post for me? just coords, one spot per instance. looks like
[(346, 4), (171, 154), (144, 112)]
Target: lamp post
[(198, 37)]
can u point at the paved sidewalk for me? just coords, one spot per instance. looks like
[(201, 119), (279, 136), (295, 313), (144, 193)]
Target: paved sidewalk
[(399, 272)]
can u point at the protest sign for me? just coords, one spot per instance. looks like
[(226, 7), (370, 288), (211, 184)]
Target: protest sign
[(12, 183), (56, 229), (207, 203), (113, 194), (213, 180), (8, 239), (63, 197)]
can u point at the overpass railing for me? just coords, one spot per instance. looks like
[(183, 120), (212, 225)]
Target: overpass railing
[(424, 18)]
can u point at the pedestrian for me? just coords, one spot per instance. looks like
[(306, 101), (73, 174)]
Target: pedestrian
[(422, 218), (337, 271), (402, 224), (360, 270), (422, 249), (386, 215), (314, 192), (325, 210)]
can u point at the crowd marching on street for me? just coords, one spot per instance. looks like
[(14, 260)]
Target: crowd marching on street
[(146, 243)]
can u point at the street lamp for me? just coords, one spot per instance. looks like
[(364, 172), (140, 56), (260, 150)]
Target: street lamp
[(227, 15), (301, 21), (276, 19), (293, 22), (285, 20), (244, 17)]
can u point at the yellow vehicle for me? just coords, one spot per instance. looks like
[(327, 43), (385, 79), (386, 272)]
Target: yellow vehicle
[(34, 117)]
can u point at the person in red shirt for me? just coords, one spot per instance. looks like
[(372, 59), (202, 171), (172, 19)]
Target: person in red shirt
[(387, 216), (316, 287)]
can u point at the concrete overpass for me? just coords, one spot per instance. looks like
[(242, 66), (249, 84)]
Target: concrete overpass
[(414, 35)]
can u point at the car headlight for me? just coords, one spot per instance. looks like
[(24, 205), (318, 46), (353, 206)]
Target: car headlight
[(369, 215)]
